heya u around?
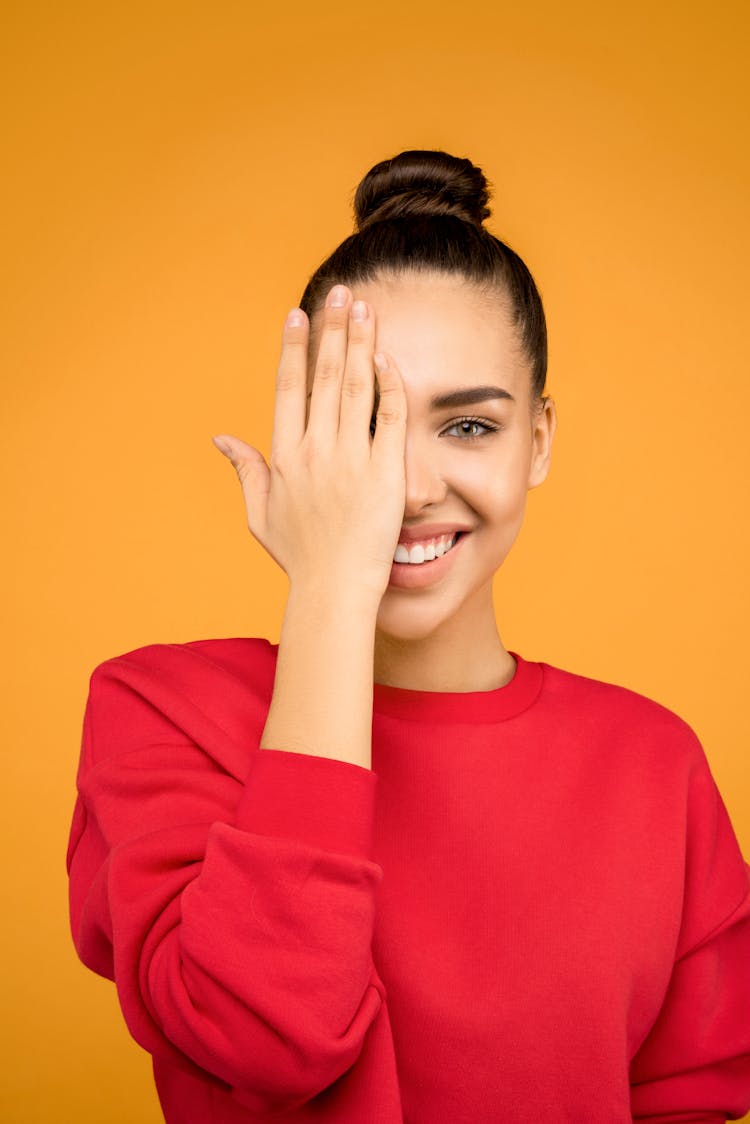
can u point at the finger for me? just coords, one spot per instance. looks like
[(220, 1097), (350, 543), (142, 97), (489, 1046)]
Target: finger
[(291, 384), (390, 431), (325, 402), (254, 476), (358, 387)]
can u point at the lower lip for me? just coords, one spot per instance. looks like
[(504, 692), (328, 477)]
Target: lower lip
[(406, 575)]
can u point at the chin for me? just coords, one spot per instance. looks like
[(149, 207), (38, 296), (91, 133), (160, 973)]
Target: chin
[(405, 617)]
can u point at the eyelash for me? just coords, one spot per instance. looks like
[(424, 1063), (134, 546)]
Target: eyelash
[(491, 427), (488, 425)]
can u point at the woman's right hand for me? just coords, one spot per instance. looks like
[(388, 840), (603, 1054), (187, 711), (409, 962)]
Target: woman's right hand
[(330, 507)]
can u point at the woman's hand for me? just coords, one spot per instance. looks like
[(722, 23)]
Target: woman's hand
[(329, 508)]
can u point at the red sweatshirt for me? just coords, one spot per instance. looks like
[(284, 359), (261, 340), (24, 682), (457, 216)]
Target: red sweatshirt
[(532, 908)]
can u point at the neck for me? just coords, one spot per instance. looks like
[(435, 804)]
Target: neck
[(465, 653)]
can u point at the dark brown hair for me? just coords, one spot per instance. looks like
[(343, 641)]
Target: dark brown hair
[(423, 210)]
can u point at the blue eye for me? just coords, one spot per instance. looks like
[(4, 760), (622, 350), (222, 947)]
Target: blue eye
[(488, 426)]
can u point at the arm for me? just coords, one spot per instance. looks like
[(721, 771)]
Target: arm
[(322, 697), (234, 910), (694, 1065)]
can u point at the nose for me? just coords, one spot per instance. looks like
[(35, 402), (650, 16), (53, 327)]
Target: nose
[(425, 486)]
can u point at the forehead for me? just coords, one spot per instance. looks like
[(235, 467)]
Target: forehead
[(442, 331)]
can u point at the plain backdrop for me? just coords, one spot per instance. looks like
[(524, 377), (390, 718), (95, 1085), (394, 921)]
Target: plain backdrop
[(174, 173)]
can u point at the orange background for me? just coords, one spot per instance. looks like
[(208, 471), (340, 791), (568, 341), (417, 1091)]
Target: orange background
[(175, 173)]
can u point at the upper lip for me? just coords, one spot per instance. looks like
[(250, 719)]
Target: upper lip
[(428, 531)]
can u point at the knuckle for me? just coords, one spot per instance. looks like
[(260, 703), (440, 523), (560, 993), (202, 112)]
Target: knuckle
[(328, 370), (293, 353), (277, 462), (336, 319), (296, 336), (287, 380), (390, 414), (310, 452), (355, 386), (359, 331)]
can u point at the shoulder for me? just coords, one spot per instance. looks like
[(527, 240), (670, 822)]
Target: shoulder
[(598, 706), (189, 661), (210, 690)]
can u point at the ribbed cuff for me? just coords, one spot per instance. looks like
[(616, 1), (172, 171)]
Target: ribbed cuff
[(321, 801)]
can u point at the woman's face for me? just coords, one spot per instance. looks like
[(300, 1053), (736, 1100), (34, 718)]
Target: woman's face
[(445, 336)]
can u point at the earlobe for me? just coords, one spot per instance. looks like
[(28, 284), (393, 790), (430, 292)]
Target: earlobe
[(539, 470)]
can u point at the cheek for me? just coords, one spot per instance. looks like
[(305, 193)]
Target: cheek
[(495, 486), (500, 501)]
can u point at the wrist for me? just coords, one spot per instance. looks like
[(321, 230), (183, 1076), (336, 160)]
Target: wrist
[(355, 606)]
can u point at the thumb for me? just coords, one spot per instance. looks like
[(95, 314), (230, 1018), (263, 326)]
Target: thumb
[(243, 456), (255, 479), (249, 464)]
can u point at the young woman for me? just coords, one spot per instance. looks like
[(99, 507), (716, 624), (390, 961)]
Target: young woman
[(387, 871)]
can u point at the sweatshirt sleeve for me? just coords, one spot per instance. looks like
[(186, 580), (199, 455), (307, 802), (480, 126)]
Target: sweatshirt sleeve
[(234, 915), (694, 1064)]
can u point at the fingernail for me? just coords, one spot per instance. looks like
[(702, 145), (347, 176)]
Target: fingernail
[(337, 296), (221, 445), (380, 361), (295, 318), (359, 310)]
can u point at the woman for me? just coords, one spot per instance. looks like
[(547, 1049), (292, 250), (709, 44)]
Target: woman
[(386, 870)]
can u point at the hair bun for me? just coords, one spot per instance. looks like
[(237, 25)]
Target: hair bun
[(419, 183)]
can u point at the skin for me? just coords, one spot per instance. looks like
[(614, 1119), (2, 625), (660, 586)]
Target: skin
[(443, 334)]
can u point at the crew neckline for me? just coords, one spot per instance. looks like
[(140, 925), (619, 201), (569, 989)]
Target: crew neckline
[(462, 707)]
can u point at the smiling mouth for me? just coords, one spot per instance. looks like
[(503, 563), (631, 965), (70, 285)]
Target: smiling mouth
[(424, 575), (452, 539)]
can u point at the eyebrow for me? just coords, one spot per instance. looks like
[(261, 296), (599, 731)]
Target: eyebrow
[(468, 397)]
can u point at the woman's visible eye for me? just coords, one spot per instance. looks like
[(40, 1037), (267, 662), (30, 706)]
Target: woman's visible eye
[(489, 426)]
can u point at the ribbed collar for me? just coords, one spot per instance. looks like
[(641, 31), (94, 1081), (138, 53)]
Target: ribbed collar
[(462, 707)]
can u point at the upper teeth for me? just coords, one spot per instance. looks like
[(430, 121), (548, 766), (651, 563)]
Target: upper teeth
[(424, 551)]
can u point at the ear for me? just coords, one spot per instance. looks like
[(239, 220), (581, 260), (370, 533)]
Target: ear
[(543, 429)]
